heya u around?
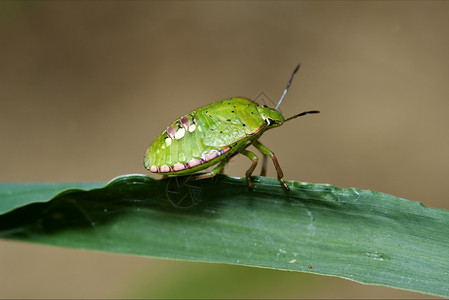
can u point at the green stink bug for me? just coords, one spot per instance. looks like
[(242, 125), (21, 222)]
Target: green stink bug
[(212, 134)]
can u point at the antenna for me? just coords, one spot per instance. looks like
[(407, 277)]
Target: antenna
[(288, 85), (302, 114)]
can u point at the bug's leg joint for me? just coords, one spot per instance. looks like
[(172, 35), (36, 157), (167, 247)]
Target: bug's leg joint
[(270, 153), (251, 169)]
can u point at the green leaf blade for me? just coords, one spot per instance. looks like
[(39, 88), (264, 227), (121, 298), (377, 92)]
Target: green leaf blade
[(365, 236)]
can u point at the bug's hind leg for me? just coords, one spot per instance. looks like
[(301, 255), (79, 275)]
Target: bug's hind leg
[(211, 173), (270, 153), (181, 180), (250, 171)]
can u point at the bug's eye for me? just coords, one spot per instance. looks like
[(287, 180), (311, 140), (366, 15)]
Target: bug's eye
[(269, 121), (263, 105)]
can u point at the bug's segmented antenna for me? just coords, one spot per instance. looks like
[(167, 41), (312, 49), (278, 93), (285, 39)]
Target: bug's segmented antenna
[(288, 85), (302, 114)]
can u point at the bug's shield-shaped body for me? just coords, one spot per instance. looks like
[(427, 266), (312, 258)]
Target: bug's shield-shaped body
[(209, 135), (212, 134)]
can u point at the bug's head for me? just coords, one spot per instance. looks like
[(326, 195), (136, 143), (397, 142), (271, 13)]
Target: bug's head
[(272, 117)]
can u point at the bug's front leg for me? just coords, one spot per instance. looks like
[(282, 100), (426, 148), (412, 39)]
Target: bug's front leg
[(250, 171), (270, 153)]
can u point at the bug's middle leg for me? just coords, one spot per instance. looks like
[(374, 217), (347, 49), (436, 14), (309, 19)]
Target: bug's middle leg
[(250, 171), (263, 172), (270, 153)]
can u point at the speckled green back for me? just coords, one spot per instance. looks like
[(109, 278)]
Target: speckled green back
[(203, 137)]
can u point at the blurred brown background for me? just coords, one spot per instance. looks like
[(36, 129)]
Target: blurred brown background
[(86, 86)]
